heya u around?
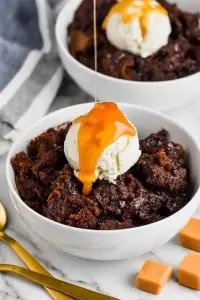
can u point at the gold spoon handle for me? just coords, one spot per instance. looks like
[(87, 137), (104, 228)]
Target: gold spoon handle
[(59, 285), (32, 264)]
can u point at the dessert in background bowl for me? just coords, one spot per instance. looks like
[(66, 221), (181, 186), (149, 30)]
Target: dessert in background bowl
[(137, 40), (111, 202), (162, 46)]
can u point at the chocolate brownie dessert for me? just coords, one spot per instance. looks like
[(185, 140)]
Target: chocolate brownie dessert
[(156, 187), (179, 58)]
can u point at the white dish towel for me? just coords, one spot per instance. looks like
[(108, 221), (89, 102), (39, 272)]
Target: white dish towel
[(30, 71)]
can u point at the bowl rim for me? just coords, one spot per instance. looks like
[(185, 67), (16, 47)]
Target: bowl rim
[(90, 231), (65, 50)]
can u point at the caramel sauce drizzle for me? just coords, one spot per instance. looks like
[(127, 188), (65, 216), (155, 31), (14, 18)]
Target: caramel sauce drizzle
[(95, 45), (99, 128), (131, 9)]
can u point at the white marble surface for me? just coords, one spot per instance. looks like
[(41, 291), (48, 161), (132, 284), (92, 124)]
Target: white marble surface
[(115, 278)]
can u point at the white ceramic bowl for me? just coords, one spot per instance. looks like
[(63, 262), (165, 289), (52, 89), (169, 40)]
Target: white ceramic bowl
[(157, 95), (117, 244)]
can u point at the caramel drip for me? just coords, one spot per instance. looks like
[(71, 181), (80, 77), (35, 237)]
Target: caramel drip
[(131, 9), (101, 127)]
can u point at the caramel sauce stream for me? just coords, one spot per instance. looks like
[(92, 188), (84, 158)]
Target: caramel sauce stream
[(131, 9), (95, 45), (101, 127)]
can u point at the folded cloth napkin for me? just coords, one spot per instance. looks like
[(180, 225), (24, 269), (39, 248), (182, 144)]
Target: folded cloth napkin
[(30, 70)]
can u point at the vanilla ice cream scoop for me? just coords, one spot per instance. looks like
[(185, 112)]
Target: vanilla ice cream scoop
[(101, 144), (141, 27)]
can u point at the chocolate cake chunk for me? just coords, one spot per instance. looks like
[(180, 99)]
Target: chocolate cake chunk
[(46, 151), (68, 205), (33, 192), (154, 142), (163, 167)]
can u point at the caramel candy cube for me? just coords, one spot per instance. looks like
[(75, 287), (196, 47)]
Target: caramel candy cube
[(153, 276), (189, 236), (189, 271)]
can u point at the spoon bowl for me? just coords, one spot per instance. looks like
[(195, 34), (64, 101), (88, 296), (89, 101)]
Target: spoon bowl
[(3, 217)]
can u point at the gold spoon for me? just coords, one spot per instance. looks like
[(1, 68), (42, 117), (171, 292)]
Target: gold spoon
[(30, 261), (77, 292)]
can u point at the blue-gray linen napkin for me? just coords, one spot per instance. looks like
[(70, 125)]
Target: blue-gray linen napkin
[(30, 70)]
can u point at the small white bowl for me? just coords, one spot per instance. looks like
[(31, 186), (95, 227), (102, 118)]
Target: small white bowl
[(161, 95), (116, 244)]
